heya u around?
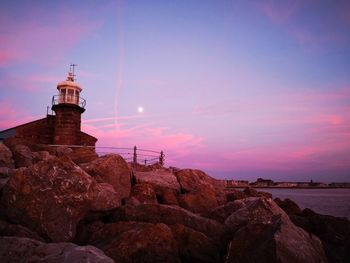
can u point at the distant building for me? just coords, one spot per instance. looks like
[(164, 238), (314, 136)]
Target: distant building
[(63, 128), (260, 182), (236, 183)]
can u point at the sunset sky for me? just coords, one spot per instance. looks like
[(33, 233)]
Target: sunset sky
[(239, 89)]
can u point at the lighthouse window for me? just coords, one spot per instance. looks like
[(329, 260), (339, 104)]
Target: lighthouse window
[(63, 95), (70, 97)]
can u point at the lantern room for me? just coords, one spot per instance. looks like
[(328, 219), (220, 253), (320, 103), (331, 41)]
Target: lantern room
[(69, 91)]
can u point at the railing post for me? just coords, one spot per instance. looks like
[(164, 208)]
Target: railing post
[(161, 158), (135, 155)]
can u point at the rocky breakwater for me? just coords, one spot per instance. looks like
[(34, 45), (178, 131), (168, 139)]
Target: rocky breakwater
[(56, 208)]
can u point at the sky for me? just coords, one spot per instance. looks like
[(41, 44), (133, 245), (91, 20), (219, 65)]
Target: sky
[(239, 89)]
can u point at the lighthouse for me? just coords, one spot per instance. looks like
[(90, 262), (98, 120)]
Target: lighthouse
[(68, 107)]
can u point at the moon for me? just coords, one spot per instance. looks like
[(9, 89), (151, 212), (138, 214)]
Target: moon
[(140, 109)]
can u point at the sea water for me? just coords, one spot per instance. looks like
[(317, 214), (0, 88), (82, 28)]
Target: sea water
[(335, 202)]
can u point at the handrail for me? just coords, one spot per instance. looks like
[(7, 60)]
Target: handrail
[(58, 99), (126, 153)]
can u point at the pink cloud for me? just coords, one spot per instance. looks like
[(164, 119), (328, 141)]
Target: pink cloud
[(281, 12)]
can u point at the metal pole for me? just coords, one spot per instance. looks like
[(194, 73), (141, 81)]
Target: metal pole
[(161, 158), (135, 155)]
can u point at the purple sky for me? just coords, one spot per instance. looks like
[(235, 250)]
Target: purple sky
[(239, 89)]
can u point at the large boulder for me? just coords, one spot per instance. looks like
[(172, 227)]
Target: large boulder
[(194, 246), (159, 178), (111, 169), (334, 233), (222, 212), (8, 229), (144, 193), (263, 232), (130, 242), (105, 198), (25, 250), (23, 156), (50, 198), (6, 157), (198, 190), (170, 215)]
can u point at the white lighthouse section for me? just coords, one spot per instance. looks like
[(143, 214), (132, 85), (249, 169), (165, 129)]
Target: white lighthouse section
[(69, 91)]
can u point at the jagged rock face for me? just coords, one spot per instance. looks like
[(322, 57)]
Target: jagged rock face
[(6, 157), (106, 198), (264, 233), (168, 215), (159, 178), (288, 206), (144, 193), (111, 169), (142, 243), (19, 249), (222, 212), (7, 229), (199, 195), (23, 156), (167, 197), (50, 198), (194, 246)]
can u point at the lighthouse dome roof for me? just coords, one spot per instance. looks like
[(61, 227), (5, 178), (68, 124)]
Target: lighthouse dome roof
[(69, 83)]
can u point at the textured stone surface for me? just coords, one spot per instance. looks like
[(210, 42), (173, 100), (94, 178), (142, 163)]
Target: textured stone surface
[(8, 229), (220, 213), (49, 197), (23, 156), (106, 198), (264, 233), (6, 157), (144, 193), (25, 250), (111, 169), (159, 178), (194, 246), (130, 242), (83, 155), (168, 215)]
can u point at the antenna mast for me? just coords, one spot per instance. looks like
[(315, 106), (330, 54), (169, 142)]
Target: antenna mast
[(72, 67)]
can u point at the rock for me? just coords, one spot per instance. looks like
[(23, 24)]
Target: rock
[(8, 229), (135, 242), (6, 157), (63, 150), (334, 233), (111, 169), (83, 155), (220, 213), (198, 191), (169, 215), (264, 233), (199, 202), (49, 198), (106, 198), (3, 182), (23, 156), (251, 192), (144, 193), (42, 156), (194, 246), (235, 195), (160, 178), (167, 197), (288, 206), (6, 172), (20, 249)]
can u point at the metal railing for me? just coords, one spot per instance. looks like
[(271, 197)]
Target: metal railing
[(132, 155), (70, 99)]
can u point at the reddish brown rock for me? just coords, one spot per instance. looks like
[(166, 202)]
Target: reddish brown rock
[(8, 229), (49, 198), (19, 249), (194, 246), (6, 157), (220, 213), (251, 192), (198, 191), (83, 155), (144, 193), (167, 197), (159, 178), (264, 233), (288, 206), (233, 195), (111, 169), (42, 156), (105, 198), (168, 215), (131, 242), (23, 156)]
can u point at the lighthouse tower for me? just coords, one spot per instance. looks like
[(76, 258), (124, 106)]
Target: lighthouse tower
[(68, 106)]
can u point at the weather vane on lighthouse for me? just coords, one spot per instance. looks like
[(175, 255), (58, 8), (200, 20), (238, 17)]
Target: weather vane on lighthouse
[(71, 71)]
